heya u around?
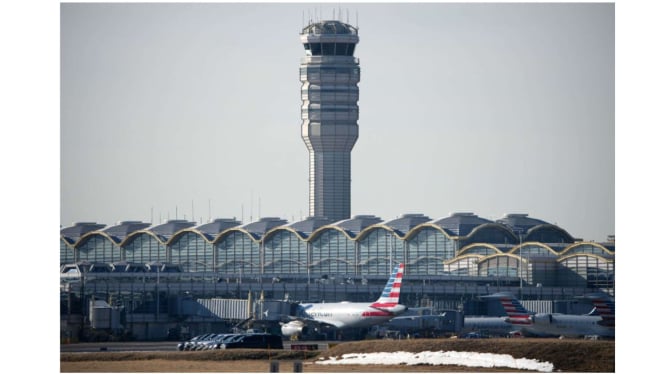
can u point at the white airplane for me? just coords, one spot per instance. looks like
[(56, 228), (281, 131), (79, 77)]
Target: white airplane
[(599, 322), (344, 315)]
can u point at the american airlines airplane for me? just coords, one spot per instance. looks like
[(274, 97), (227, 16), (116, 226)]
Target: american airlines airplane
[(346, 314), (487, 325), (599, 322)]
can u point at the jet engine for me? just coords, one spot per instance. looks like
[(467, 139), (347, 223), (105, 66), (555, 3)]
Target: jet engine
[(294, 328)]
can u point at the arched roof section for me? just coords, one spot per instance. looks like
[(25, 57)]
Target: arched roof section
[(402, 225), (98, 246), (587, 248), (214, 228), (259, 228), (230, 231), (535, 230), (276, 230), (547, 233), (591, 255), (254, 230), (368, 230), (166, 230), (527, 248), (182, 232), (350, 228), (78, 229), (520, 222), (85, 238), (473, 250), (354, 226), (419, 228), (119, 232), (460, 224), (131, 237), (303, 229), (490, 233)]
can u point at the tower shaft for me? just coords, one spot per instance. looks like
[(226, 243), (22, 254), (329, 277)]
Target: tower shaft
[(329, 74)]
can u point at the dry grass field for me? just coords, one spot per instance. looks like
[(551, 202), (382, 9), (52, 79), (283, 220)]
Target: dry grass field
[(566, 355)]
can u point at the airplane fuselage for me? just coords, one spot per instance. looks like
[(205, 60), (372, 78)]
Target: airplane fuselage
[(490, 325), (567, 325), (347, 314)]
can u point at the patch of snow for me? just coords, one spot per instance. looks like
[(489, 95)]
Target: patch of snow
[(471, 359)]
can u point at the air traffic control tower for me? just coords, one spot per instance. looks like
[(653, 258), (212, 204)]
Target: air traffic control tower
[(329, 74)]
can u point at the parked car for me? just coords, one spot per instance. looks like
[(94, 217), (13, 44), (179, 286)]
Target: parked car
[(254, 341), (191, 343), (216, 341), (228, 339), (203, 344)]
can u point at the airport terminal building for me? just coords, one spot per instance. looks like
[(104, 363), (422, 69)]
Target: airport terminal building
[(180, 272), (143, 278), (513, 249)]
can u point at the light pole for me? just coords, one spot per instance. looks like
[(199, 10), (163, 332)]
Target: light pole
[(519, 263), (158, 269)]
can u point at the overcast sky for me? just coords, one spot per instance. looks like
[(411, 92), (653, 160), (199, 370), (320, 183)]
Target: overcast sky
[(193, 111)]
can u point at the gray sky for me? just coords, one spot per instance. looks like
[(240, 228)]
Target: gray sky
[(484, 108)]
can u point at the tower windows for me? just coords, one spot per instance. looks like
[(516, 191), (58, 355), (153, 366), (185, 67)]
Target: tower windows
[(329, 49)]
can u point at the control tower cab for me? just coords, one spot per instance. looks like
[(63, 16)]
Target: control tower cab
[(329, 74)]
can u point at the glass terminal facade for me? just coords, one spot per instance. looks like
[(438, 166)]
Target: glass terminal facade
[(459, 248)]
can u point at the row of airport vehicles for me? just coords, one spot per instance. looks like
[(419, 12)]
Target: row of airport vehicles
[(212, 341)]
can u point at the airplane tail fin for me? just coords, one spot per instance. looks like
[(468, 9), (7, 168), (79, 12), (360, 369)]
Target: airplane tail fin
[(517, 314), (605, 308), (390, 295)]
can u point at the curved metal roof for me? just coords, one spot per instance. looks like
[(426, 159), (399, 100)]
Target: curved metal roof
[(124, 229), (79, 229), (171, 227), (520, 222), (355, 225), (213, 228), (461, 224), (406, 222), (309, 225), (265, 224), (330, 27)]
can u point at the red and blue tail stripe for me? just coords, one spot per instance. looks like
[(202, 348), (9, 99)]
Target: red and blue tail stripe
[(517, 314), (605, 308), (390, 295)]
